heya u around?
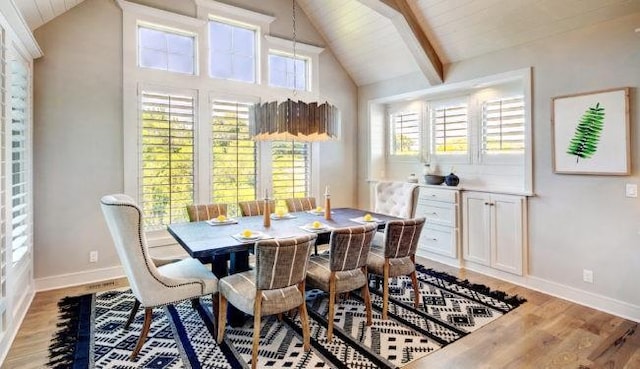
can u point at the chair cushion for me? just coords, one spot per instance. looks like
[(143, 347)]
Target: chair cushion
[(189, 270), (240, 291), (318, 274), (397, 267)]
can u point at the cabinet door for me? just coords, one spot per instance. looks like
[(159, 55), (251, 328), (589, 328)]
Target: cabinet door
[(506, 233), (476, 226)]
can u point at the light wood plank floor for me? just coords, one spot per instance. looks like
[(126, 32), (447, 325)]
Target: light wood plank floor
[(544, 333)]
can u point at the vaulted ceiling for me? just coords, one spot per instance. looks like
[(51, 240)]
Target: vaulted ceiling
[(376, 40)]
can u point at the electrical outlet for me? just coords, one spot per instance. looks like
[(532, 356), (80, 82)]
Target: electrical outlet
[(587, 275), (631, 190), (93, 256)]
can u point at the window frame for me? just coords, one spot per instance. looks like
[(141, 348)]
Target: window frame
[(415, 106), (175, 31), (453, 158), (307, 68), (257, 60)]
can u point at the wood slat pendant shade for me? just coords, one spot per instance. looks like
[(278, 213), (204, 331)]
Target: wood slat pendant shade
[(294, 120)]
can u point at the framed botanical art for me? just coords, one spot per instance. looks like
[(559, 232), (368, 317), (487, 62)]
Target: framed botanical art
[(590, 133)]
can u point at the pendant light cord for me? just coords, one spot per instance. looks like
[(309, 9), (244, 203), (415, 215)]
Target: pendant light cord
[(293, 2)]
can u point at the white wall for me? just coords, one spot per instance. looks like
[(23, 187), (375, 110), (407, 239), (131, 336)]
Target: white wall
[(78, 130), (576, 222)]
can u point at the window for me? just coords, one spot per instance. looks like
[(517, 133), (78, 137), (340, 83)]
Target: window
[(449, 127), (503, 126), (3, 247), (405, 134), (232, 52), (20, 198), (165, 50), (167, 138), (287, 72), (234, 168), (291, 169)]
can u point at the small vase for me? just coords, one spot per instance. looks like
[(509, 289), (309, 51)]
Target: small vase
[(451, 180)]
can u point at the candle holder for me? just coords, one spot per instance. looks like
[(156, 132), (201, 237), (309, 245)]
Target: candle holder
[(266, 222)]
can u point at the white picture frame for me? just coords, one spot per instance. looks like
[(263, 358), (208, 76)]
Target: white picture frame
[(590, 133)]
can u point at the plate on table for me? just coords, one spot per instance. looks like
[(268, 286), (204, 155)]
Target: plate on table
[(215, 221), (310, 228), (284, 216), (316, 212), (363, 221), (255, 235)]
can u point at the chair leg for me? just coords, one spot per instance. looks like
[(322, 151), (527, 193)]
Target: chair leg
[(222, 317), (385, 290), (132, 315), (148, 314), (304, 318), (332, 302), (257, 307), (367, 299), (416, 289)]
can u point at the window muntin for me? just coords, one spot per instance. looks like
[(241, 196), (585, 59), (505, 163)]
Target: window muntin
[(232, 52), (167, 157), (404, 133), (290, 170), (234, 165), (450, 129), (20, 213), (503, 126), (287, 72), (166, 50)]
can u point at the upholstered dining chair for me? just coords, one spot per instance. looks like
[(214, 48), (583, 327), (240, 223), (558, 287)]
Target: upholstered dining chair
[(300, 204), (395, 198), (202, 212), (152, 286), (397, 257), (276, 285), (255, 207), (345, 268)]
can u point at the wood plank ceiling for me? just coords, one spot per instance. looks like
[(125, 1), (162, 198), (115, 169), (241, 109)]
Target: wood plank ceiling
[(371, 46)]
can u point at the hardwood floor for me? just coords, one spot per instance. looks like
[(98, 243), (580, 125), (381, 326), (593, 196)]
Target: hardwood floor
[(544, 333)]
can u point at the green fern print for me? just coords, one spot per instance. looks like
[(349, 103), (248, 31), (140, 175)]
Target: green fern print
[(584, 143)]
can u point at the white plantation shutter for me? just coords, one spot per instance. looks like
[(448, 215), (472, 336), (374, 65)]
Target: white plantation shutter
[(405, 133), (234, 163), (503, 125), (167, 157), (450, 128), (20, 187), (291, 169), (3, 243)]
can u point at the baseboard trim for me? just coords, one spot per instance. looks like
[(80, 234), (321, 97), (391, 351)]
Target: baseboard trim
[(79, 278), (7, 341), (593, 300), (600, 302)]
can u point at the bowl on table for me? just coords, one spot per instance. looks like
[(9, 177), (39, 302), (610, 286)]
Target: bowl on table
[(433, 179)]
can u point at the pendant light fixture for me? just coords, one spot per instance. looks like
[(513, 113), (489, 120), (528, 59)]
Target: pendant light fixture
[(293, 120)]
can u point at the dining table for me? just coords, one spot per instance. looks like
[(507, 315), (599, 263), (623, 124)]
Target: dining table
[(222, 244)]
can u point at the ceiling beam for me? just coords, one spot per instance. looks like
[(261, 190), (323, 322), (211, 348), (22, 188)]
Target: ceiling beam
[(406, 22)]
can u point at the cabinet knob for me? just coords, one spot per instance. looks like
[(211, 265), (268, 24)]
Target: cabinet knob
[(434, 239), (434, 213), (486, 203)]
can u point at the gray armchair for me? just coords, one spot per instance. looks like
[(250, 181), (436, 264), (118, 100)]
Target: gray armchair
[(397, 257), (345, 268), (276, 285)]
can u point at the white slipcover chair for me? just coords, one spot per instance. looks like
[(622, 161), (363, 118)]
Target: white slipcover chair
[(396, 199), (152, 286)]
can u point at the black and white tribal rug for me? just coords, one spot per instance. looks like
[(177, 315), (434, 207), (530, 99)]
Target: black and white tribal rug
[(92, 333)]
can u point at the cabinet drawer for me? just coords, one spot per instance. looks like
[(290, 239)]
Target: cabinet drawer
[(439, 212), (439, 239), (437, 195)]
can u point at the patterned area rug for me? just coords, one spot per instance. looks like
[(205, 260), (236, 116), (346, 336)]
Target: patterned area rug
[(92, 334)]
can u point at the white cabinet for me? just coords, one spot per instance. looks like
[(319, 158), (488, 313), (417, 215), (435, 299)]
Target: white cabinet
[(440, 235), (494, 229)]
